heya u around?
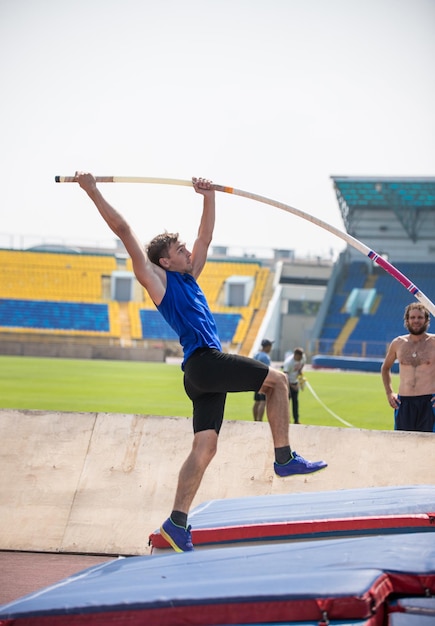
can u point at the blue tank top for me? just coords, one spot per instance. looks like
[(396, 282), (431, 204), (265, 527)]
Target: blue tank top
[(186, 310)]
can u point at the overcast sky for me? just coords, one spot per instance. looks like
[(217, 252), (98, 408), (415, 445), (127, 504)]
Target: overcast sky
[(268, 96)]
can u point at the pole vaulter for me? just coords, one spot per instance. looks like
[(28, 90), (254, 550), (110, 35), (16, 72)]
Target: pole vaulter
[(355, 243)]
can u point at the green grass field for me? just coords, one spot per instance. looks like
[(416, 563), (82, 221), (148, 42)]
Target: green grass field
[(75, 385)]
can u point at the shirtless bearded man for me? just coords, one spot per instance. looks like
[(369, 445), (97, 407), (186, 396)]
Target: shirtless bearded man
[(414, 405)]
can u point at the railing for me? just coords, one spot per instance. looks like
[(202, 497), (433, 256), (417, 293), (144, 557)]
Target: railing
[(363, 349)]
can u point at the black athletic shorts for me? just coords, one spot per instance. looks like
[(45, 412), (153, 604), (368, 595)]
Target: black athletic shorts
[(209, 375), (415, 413)]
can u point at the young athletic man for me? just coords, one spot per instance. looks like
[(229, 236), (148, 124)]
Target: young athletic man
[(414, 405), (168, 271)]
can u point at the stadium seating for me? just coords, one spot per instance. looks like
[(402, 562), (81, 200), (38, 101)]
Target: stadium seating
[(374, 331), (70, 293), (67, 293), (43, 315), (53, 276)]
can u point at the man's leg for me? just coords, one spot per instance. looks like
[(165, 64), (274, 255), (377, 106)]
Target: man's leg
[(287, 463), (203, 450), (275, 386), (259, 408), (175, 529), (295, 405)]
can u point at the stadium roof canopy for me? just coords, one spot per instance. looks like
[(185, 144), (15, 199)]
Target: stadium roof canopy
[(410, 198)]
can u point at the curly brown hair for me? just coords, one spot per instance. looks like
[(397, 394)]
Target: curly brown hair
[(420, 307), (158, 247)]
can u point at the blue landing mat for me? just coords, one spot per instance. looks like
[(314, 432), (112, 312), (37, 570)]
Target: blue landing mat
[(319, 515), (341, 579), (404, 619), (423, 606)]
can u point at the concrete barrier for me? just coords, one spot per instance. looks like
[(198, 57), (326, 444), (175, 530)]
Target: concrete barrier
[(79, 350), (99, 483)]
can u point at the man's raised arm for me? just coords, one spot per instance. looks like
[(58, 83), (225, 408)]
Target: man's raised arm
[(206, 226), (149, 275)]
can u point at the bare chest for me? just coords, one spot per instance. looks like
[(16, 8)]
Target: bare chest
[(416, 353)]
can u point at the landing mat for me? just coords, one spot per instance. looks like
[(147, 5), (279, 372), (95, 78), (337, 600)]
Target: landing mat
[(340, 579), (319, 515)]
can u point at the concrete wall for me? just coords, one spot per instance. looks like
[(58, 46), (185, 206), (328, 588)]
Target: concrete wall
[(80, 351), (101, 483)]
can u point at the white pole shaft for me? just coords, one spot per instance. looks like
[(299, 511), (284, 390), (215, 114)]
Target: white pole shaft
[(355, 243)]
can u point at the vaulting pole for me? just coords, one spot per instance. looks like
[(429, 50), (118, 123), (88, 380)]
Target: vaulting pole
[(355, 243)]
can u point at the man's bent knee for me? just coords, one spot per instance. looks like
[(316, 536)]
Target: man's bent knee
[(275, 379), (205, 443)]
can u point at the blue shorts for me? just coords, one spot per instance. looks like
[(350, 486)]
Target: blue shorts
[(415, 413), (209, 375)]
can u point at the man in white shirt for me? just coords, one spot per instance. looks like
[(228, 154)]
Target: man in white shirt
[(293, 366)]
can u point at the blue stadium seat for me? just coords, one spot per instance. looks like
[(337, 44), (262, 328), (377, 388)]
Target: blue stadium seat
[(42, 314), (375, 330)]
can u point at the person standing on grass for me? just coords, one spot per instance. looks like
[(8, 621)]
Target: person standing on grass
[(414, 404), (260, 398), (169, 271), (293, 366)]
